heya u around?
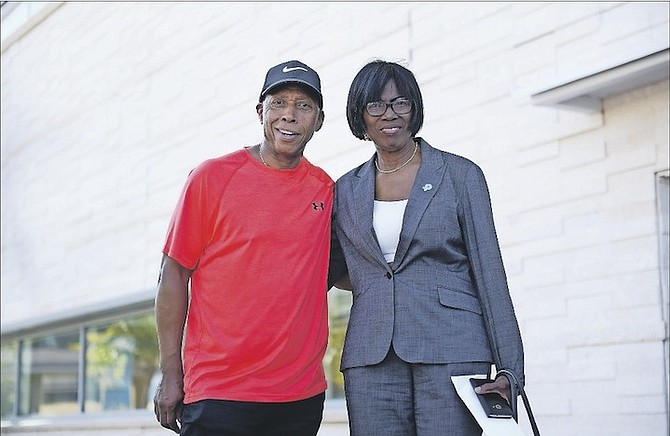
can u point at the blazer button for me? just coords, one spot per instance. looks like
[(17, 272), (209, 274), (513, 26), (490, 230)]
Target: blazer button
[(389, 275)]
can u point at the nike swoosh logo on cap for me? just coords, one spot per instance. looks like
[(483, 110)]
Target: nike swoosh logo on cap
[(288, 70)]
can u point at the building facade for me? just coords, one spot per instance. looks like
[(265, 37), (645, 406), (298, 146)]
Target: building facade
[(106, 107)]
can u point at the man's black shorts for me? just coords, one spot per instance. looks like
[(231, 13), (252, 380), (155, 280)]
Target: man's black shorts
[(241, 418)]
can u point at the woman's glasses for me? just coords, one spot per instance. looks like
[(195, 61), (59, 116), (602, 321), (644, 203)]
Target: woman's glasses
[(400, 106)]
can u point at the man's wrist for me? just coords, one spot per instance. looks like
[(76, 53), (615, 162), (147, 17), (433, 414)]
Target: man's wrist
[(172, 369)]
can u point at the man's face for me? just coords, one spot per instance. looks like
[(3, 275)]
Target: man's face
[(290, 116)]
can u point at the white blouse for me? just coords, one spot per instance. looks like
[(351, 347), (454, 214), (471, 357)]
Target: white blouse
[(387, 222)]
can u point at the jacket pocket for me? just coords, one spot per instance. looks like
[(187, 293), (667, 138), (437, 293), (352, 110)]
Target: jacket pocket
[(458, 300)]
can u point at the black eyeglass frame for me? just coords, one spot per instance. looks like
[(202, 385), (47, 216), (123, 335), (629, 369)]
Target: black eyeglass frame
[(391, 105)]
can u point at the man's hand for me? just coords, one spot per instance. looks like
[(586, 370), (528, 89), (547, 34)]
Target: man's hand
[(168, 401)]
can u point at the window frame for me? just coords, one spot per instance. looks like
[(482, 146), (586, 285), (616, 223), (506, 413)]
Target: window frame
[(663, 230)]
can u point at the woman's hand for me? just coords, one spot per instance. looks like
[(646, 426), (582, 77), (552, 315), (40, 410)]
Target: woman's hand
[(499, 386)]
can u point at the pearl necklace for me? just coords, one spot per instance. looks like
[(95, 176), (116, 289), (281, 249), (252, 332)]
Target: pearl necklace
[(416, 147)]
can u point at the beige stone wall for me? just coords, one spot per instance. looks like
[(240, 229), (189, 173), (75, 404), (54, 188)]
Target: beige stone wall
[(107, 106)]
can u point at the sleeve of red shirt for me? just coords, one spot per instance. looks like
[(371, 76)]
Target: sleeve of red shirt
[(193, 218)]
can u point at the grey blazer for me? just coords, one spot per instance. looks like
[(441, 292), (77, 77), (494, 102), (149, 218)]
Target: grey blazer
[(444, 298)]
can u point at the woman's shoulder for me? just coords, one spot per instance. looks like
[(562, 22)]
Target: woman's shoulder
[(458, 160), (352, 173), (453, 161)]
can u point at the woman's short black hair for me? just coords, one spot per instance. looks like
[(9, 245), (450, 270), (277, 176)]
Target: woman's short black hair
[(368, 85)]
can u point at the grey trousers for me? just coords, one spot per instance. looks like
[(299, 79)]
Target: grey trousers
[(396, 398)]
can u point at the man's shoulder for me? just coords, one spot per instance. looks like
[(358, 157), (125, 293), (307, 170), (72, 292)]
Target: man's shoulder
[(221, 165), (319, 173), (232, 159)]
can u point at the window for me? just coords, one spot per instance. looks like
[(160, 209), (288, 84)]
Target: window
[(9, 359), (93, 367), (106, 359), (121, 359), (49, 374)]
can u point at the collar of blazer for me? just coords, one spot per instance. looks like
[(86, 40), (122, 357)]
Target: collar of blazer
[(427, 183)]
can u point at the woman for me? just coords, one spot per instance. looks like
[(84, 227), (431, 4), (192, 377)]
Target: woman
[(413, 228)]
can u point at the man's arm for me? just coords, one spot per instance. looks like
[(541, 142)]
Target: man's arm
[(171, 309)]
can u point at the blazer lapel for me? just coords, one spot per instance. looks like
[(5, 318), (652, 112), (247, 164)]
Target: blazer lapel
[(427, 182), (363, 193)]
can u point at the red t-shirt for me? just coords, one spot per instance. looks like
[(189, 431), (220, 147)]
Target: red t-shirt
[(258, 240)]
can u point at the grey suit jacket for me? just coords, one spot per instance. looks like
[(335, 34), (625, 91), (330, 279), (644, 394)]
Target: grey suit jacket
[(444, 298)]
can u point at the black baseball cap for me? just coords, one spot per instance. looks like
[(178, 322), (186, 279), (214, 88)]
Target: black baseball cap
[(292, 72)]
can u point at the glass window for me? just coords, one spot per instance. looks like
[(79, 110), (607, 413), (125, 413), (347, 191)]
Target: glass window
[(8, 376), (339, 303), (121, 359), (49, 374), (121, 365)]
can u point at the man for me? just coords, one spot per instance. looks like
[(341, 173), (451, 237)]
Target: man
[(246, 257)]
